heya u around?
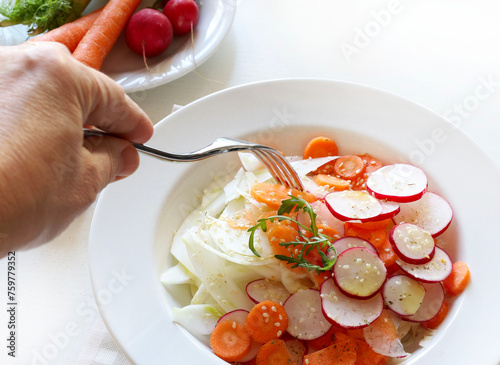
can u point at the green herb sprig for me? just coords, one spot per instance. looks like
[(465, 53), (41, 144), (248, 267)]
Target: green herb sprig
[(317, 240)]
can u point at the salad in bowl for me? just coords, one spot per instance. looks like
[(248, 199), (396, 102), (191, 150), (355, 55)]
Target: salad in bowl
[(351, 270)]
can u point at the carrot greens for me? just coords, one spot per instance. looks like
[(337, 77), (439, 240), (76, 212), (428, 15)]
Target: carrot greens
[(305, 244), (41, 15)]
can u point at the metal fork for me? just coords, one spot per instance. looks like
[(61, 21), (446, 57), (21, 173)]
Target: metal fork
[(275, 162)]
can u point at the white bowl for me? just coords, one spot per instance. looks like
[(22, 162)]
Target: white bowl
[(135, 218)]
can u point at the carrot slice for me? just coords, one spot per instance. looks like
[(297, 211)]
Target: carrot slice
[(266, 321), (96, 44), (321, 147), (230, 340), (434, 322), (332, 183), (388, 256), (273, 352), (377, 237), (366, 356), (372, 225), (327, 339), (279, 232), (341, 352), (269, 194), (70, 34), (371, 163), (458, 279), (349, 167)]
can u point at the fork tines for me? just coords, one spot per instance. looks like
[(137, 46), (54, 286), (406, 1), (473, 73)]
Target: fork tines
[(279, 167)]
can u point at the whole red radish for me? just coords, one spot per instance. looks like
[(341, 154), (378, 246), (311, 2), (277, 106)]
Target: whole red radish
[(183, 15), (148, 32)]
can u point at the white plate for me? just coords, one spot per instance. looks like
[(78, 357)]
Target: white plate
[(135, 218), (182, 56)]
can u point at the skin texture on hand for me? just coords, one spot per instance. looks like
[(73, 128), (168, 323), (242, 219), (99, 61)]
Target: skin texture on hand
[(48, 173)]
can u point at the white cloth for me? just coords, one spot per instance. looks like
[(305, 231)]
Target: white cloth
[(101, 349)]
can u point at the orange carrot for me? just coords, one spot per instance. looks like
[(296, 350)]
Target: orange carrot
[(434, 322), (341, 352), (308, 197), (376, 237), (372, 225), (371, 163), (273, 352), (458, 279), (366, 356), (101, 37), (349, 167), (356, 333), (270, 194), (70, 34), (321, 147), (279, 232), (388, 256), (266, 321), (325, 340), (230, 340), (330, 182)]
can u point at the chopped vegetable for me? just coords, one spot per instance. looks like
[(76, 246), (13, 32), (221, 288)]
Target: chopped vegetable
[(341, 352), (349, 167), (321, 147), (267, 321), (230, 340), (274, 352), (458, 279), (41, 15)]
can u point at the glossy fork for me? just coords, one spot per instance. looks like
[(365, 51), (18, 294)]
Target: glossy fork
[(278, 166)]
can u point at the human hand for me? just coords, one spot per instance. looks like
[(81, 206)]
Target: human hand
[(48, 173)]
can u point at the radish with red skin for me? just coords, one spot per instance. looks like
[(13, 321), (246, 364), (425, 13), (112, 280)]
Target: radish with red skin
[(403, 295), (264, 289), (359, 273), (183, 14), (431, 212), (305, 317), (349, 312), (389, 210), (400, 183), (412, 244), (431, 304), (346, 243), (433, 271), (348, 205), (148, 33)]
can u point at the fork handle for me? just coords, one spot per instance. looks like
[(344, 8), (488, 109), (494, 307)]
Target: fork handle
[(172, 157)]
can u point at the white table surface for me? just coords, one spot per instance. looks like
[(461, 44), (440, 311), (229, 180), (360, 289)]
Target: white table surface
[(443, 54)]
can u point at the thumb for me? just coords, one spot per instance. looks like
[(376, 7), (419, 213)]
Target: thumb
[(110, 158)]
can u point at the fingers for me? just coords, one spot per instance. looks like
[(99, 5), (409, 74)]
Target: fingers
[(108, 159), (115, 112)]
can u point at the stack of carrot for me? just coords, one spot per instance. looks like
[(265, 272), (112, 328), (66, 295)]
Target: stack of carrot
[(91, 37)]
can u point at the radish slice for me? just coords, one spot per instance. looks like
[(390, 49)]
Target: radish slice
[(240, 316), (349, 205), (264, 289), (389, 209), (433, 271), (348, 242), (431, 212), (433, 300), (297, 349), (348, 312), (382, 336), (305, 317), (359, 272), (412, 244), (403, 295), (399, 183)]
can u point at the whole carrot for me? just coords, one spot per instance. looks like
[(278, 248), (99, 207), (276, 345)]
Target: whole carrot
[(101, 37), (70, 34)]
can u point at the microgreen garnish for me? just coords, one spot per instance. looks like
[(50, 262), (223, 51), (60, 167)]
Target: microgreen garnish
[(305, 244)]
